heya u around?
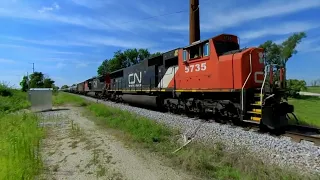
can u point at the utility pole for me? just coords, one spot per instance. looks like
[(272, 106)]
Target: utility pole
[(194, 21), (28, 80), (32, 67)]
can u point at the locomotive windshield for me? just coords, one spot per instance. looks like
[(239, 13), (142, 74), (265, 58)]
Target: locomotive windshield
[(223, 47)]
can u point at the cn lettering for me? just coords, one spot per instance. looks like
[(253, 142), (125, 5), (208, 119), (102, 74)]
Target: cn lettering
[(134, 79), (196, 67)]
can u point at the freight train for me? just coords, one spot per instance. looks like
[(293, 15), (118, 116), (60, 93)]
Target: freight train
[(212, 77)]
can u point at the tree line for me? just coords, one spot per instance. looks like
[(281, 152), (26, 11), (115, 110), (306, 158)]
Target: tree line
[(123, 59), (278, 54), (37, 80)]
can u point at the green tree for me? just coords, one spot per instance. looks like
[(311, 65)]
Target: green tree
[(24, 84), (124, 59), (55, 88), (36, 80), (155, 54), (48, 83), (294, 86), (280, 53), (103, 68), (64, 87)]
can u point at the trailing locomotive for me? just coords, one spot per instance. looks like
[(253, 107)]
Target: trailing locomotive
[(211, 77)]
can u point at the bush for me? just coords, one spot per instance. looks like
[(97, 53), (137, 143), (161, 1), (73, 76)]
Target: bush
[(294, 86), (12, 99), (5, 90)]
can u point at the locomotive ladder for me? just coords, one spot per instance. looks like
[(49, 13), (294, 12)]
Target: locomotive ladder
[(256, 107)]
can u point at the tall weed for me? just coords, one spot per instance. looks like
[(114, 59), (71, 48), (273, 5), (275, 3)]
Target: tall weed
[(19, 136)]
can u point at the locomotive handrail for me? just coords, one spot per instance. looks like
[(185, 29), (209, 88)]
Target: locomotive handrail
[(244, 84), (264, 80)]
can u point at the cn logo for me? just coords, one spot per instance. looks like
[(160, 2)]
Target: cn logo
[(258, 80), (95, 84), (134, 79)]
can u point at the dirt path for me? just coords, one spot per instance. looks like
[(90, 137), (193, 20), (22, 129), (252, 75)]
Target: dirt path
[(76, 148)]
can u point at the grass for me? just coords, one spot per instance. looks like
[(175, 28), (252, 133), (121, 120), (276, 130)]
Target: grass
[(19, 137), (306, 109), (12, 100), (64, 98), (204, 161), (313, 89)]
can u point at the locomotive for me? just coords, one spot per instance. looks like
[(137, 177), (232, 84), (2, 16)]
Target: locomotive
[(212, 77)]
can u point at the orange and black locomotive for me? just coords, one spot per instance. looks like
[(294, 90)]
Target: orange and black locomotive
[(211, 77)]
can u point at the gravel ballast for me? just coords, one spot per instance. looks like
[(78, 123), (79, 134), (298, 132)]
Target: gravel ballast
[(280, 151)]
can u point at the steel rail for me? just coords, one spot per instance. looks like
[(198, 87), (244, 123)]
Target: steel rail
[(298, 133)]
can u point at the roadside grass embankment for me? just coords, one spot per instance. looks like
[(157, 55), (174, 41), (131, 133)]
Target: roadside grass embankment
[(307, 110), (204, 161), (19, 136)]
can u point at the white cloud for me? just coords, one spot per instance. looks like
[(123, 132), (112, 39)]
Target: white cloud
[(229, 14), (225, 15), (60, 65), (117, 42), (177, 40), (113, 20), (43, 50), (54, 6), (7, 61), (93, 4), (309, 45), (262, 10), (48, 42), (279, 29), (81, 65), (90, 40), (27, 13)]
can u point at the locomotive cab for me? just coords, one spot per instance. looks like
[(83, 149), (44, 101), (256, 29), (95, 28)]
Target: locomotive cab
[(264, 99), (218, 65)]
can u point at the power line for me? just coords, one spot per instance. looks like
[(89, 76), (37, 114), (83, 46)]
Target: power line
[(161, 15), (151, 17)]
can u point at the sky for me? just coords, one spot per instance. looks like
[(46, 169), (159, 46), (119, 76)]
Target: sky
[(68, 39)]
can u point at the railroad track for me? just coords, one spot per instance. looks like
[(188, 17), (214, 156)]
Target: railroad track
[(297, 133), (300, 133)]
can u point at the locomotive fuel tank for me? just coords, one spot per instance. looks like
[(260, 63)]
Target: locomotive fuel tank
[(142, 100)]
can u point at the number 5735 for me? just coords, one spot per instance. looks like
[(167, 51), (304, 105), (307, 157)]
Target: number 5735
[(195, 67)]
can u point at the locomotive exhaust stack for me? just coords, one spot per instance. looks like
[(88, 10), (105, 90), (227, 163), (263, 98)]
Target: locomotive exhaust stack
[(194, 21)]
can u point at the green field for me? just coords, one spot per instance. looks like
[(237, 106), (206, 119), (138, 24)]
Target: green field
[(19, 137), (315, 89), (307, 109), (212, 162)]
